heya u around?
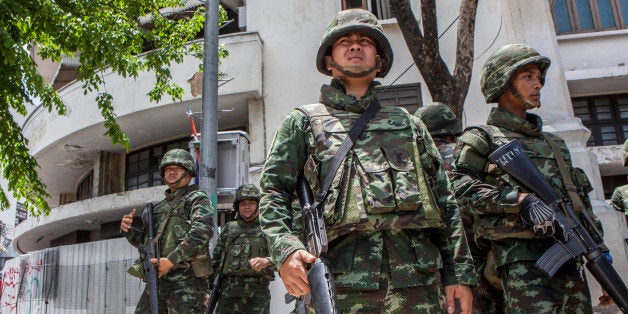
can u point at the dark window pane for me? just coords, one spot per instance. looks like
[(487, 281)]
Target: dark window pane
[(132, 167), (581, 109), (144, 154), (624, 11), (622, 105), (144, 164), (561, 12), (131, 181), (606, 14), (133, 158), (625, 131), (603, 109), (609, 136), (350, 4), (584, 14)]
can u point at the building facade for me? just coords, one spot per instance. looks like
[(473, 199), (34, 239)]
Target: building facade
[(271, 69)]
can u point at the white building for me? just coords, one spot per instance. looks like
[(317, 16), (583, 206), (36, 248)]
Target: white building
[(272, 46)]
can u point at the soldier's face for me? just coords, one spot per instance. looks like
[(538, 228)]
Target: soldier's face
[(173, 173), (527, 81), (247, 209), (354, 51)]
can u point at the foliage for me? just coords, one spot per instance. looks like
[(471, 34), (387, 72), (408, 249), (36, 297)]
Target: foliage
[(103, 34)]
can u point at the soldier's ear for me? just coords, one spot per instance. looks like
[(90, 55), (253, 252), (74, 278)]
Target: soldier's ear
[(328, 63)]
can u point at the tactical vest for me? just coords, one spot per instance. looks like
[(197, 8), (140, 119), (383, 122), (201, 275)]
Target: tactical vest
[(498, 226), (386, 176), (176, 228), (243, 244)]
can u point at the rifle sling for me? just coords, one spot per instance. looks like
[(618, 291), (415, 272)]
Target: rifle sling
[(571, 187), (564, 172), (344, 148)]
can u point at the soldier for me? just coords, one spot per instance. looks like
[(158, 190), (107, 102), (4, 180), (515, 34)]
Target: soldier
[(505, 213), (241, 256), (444, 127), (395, 236), (619, 199), (182, 222)]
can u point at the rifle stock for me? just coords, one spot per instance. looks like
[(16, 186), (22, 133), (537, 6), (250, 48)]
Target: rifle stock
[(575, 240), (151, 250), (322, 289)]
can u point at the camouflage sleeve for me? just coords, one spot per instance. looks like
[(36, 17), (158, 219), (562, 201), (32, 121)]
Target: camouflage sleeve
[(285, 160), (197, 238), (458, 267), (135, 236), (220, 247), (616, 200), (471, 190)]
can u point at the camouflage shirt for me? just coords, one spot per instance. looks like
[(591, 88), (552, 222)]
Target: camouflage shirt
[(241, 241), (363, 242), (187, 231), (493, 195), (619, 199)]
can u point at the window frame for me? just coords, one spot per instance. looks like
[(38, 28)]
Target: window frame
[(153, 163), (595, 125), (574, 17), (374, 6)]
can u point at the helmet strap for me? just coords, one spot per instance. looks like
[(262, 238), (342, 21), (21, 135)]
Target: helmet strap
[(355, 71), (528, 103), (176, 183)]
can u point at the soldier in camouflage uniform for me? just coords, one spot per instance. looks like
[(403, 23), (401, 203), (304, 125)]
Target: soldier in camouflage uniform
[(513, 77), (619, 199), (182, 223), (395, 236), (444, 127), (241, 256)]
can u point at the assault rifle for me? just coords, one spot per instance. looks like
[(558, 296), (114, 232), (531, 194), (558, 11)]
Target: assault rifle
[(151, 250), (322, 289), (573, 240), (215, 293)]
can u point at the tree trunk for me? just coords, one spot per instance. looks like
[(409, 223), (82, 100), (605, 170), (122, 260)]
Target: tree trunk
[(424, 48)]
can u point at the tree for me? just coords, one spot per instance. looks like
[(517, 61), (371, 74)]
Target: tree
[(444, 87), (103, 34)]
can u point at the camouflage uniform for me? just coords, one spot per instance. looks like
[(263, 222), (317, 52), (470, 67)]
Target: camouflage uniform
[(184, 242), (441, 123), (379, 239), (242, 289), (493, 196), (619, 199)]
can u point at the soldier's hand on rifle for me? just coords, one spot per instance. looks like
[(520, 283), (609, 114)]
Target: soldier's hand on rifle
[(294, 274), (164, 265), (259, 263), (534, 212), (127, 220)]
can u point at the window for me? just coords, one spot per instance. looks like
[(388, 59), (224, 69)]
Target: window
[(407, 96), (86, 187), (581, 16), (606, 116), (381, 8), (142, 166)]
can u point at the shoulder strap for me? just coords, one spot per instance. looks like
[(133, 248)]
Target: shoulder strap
[(571, 188), (344, 148), (479, 141)]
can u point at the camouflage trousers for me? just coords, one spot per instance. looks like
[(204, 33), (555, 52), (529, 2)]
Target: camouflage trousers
[(486, 298), (527, 290), (185, 296), (244, 294), (418, 299)]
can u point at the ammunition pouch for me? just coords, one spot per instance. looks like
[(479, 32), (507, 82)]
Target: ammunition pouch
[(201, 266), (490, 272), (137, 269)]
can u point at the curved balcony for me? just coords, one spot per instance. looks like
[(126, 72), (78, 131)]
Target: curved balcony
[(67, 146)]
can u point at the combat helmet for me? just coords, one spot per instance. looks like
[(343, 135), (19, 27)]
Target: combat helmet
[(439, 119), (246, 191), (355, 21), (499, 69), (178, 157)]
